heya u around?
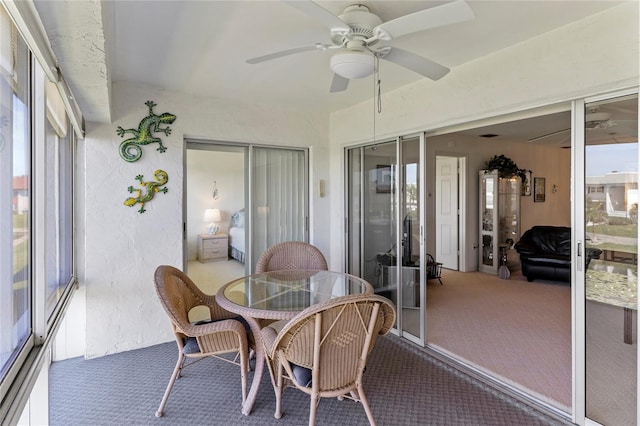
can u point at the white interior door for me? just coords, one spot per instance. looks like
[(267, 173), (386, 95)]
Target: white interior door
[(447, 212)]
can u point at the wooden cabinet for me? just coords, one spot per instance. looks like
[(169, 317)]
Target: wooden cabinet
[(499, 221), (212, 247)]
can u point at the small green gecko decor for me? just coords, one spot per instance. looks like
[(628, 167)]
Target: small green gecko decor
[(130, 149), (152, 188)]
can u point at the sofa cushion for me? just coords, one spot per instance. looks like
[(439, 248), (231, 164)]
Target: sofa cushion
[(549, 239), (545, 252), (550, 259)]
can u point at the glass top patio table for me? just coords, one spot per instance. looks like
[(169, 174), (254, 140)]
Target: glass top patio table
[(281, 295)]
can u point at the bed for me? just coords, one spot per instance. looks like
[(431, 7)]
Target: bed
[(236, 236)]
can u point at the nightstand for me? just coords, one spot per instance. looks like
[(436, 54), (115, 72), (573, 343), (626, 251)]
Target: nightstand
[(212, 247)]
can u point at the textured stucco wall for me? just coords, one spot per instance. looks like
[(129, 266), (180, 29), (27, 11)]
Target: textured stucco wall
[(589, 57), (123, 247)]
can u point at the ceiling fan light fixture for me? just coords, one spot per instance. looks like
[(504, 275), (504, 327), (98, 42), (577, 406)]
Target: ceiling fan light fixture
[(353, 64), (597, 116)]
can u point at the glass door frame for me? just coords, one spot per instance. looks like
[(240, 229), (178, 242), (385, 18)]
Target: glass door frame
[(398, 216), (355, 227), (401, 211), (578, 217), (248, 151), (578, 318)]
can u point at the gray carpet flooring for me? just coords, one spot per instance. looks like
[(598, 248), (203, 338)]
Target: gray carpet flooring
[(404, 385)]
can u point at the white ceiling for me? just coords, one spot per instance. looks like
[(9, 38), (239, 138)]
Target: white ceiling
[(555, 129), (200, 47)]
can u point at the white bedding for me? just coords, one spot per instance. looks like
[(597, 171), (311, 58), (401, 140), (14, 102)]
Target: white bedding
[(236, 238)]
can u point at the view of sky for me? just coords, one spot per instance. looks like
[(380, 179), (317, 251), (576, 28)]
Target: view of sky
[(603, 159), (19, 146)]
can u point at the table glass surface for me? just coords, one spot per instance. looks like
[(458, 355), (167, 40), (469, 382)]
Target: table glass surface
[(612, 283), (292, 290)]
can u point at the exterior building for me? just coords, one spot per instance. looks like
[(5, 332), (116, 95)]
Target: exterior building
[(20, 194), (616, 191)]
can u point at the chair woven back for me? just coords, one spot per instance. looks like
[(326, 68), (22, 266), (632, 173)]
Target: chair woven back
[(291, 255), (179, 295), (347, 334)]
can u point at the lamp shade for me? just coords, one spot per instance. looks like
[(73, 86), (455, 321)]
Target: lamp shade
[(352, 64), (212, 215)]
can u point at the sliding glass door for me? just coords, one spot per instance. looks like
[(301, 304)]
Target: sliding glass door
[(261, 194), (611, 260), (411, 275), (372, 212), (605, 173), (384, 226)]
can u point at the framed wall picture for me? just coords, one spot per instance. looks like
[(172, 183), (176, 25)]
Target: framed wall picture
[(384, 181), (526, 184), (538, 189)]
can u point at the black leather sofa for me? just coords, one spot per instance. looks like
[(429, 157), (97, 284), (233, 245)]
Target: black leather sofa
[(545, 253)]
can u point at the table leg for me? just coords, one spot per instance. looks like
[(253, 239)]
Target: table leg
[(628, 326), (259, 368)]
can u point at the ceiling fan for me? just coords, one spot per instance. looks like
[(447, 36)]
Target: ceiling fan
[(594, 119), (355, 33)]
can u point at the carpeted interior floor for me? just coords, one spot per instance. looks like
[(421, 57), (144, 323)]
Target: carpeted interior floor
[(404, 385), (209, 277), (520, 333), (516, 330)]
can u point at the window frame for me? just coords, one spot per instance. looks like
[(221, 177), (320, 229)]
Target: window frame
[(20, 354), (29, 359)]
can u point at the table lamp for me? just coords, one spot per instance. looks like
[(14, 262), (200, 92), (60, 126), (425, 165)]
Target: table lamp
[(212, 216)]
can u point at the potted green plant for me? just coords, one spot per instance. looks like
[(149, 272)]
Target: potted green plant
[(506, 167)]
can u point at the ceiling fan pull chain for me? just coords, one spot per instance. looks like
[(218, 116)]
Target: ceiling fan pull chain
[(377, 71), (379, 98)]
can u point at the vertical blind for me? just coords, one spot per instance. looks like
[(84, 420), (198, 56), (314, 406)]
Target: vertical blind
[(279, 194)]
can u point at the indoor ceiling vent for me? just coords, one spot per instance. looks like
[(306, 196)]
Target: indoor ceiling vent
[(489, 135)]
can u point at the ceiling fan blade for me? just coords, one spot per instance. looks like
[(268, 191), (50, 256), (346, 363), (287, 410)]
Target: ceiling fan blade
[(422, 66), (321, 15), (280, 54), (439, 16), (548, 135), (338, 83)]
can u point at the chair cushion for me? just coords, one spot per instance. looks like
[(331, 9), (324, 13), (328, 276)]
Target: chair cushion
[(191, 346), (191, 343), (302, 375), (277, 326)]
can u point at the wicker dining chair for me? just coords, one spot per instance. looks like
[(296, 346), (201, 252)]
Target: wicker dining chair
[(291, 255), (222, 334), (323, 350)]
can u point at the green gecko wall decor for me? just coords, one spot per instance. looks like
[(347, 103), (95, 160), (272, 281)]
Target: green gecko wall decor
[(152, 187), (130, 149)]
